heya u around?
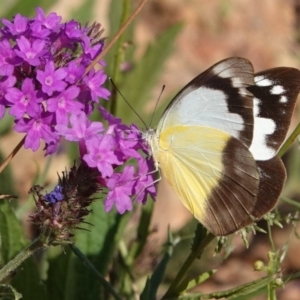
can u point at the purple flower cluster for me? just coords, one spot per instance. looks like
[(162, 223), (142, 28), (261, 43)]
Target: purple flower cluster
[(42, 63), (106, 148), (43, 85)]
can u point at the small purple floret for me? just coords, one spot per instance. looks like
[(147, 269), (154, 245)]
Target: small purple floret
[(55, 196)]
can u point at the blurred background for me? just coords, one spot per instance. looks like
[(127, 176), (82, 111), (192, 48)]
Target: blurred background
[(170, 43)]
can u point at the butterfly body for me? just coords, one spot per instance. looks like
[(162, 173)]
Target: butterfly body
[(216, 143)]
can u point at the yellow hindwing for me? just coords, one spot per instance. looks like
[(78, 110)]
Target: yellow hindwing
[(214, 175)]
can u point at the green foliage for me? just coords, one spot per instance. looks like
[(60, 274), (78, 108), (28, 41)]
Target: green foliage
[(12, 242), (26, 8)]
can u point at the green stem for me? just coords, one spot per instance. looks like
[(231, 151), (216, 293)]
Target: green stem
[(236, 293), (172, 291), (117, 60), (273, 248), (289, 141), (12, 265), (91, 267), (291, 202)]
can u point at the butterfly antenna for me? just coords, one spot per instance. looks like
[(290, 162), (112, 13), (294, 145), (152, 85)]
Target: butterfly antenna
[(162, 90), (110, 79)]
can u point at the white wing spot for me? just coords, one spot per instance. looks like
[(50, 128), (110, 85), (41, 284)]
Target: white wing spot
[(262, 128), (262, 81), (256, 110), (277, 90), (283, 99)]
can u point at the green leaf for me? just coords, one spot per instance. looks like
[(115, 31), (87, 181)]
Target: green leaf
[(68, 277), (12, 240), (28, 277), (153, 283), (12, 237), (142, 233), (59, 273), (188, 284)]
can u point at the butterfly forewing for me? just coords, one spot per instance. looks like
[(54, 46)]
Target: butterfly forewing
[(274, 96), (217, 98)]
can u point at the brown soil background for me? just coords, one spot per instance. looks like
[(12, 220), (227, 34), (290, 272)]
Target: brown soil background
[(266, 32)]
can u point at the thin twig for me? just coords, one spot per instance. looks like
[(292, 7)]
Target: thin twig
[(117, 35), (289, 141), (12, 154)]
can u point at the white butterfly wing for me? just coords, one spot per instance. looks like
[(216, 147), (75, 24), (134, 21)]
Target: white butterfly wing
[(217, 98)]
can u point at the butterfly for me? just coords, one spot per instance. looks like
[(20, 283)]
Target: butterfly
[(216, 142)]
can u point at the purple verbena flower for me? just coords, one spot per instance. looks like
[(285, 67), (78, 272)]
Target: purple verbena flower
[(94, 82), (65, 103), (50, 22), (5, 84), (74, 72), (30, 52), (81, 128), (101, 154), (73, 30), (121, 190), (24, 100), (52, 79), (8, 58), (126, 144), (145, 182), (37, 128), (18, 26)]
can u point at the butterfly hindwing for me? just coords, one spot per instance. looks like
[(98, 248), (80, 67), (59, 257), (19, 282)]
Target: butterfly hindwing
[(217, 98), (272, 176), (215, 177)]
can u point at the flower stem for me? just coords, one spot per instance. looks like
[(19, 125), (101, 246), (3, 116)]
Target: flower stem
[(289, 141), (117, 60), (90, 266), (12, 154), (12, 265), (117, 35)]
